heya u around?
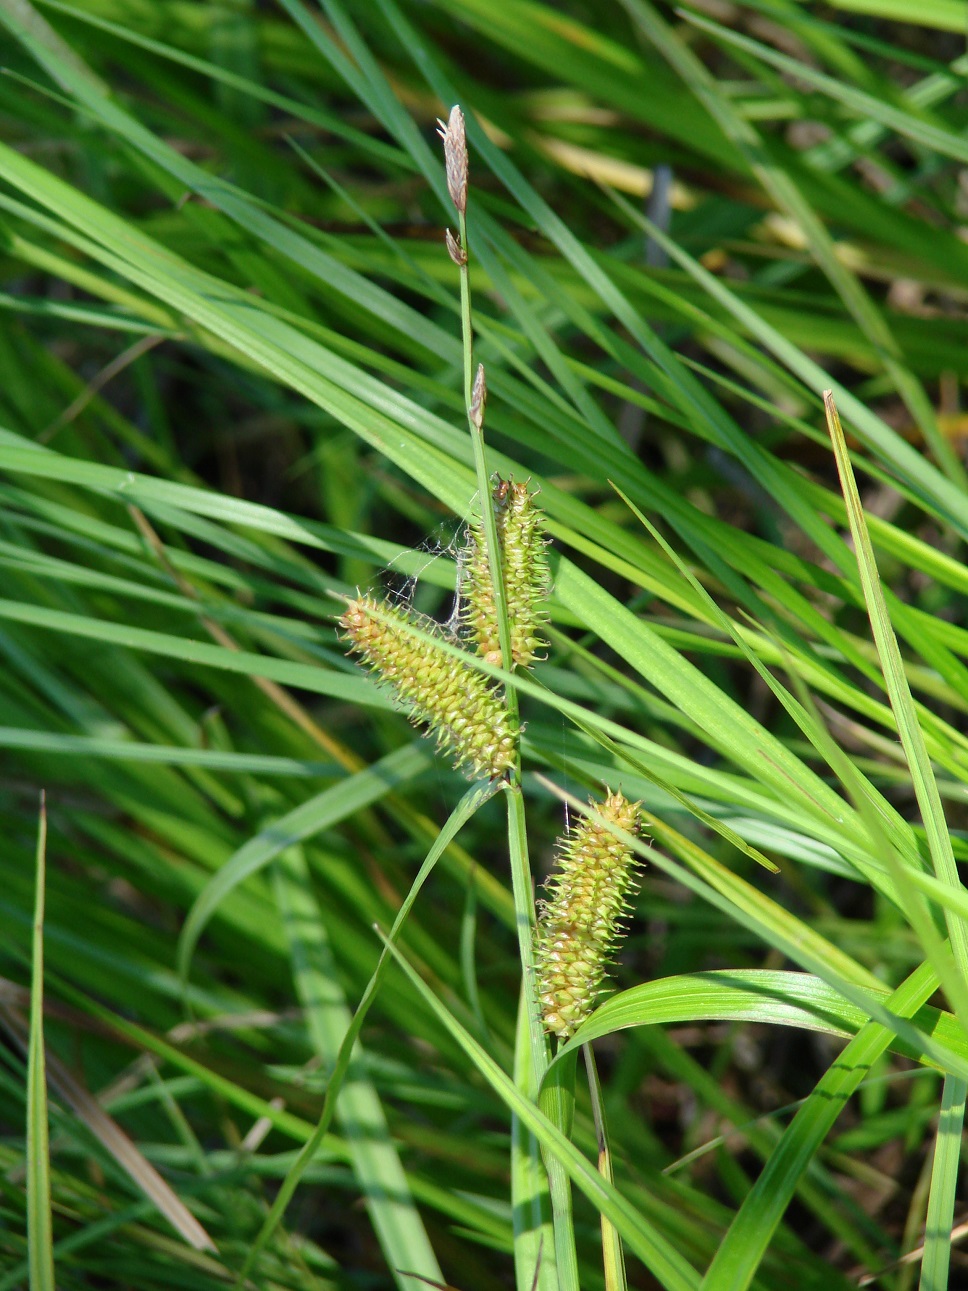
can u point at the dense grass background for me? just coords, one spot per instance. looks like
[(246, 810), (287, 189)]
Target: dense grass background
[(231, 383)]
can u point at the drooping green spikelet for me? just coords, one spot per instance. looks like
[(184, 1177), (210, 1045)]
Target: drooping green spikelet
[(579, 924), (465, 712), (526, 579)]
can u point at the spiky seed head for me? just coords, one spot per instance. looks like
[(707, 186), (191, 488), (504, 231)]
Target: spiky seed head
[(522, 542), (455, 157), (579, 922), (467, 714)]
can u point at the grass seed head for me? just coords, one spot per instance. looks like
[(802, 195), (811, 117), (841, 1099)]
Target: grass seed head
[(579, 923), (455, 157), (467, 714), (520, 531)]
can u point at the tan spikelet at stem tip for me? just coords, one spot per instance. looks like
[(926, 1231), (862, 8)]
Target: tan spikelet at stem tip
[(467, 713), (455, 157), (522, 542), (579, 922)]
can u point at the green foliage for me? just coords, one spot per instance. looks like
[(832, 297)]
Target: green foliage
[(233, 382)]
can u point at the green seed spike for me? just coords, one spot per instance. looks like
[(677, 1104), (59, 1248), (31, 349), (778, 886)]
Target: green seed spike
[(526, 579), (579, 925), (466, 713)]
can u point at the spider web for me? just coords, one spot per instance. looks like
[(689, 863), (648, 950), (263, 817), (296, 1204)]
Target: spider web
[(448, 542)]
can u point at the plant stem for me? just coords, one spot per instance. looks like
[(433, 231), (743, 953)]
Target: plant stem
[(612, 1253)]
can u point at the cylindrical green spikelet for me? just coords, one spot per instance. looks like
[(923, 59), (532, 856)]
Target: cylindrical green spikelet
[(467, 714), (526, 579), (579, 924)]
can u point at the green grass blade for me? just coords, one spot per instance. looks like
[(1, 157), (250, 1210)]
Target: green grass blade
[(908, 726), (773, 997), (909, 464), (40, 1236), (397, 1222), (86, 746), (944, 1187), (299, 675), (320, 812), (663, 1261), (867, 106), (535, 1256), (782, 187), (741, 1250), (469, 804)]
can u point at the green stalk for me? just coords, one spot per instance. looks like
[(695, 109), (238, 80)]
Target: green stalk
[(566, 1255), (535, 1257), (475, 423), (456, 164), (558, 1104), (612, 1253), (40, 1239), (521, 879)]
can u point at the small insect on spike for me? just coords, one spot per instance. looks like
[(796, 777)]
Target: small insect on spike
[(522, 543), (579, 924), (466, 713), (455, 157)]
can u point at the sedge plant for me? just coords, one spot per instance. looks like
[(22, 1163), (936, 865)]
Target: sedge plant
[(502, 584)]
